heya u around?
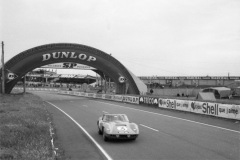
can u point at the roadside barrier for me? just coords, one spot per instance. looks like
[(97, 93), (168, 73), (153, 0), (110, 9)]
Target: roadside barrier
[(229, 111), (37, 89)]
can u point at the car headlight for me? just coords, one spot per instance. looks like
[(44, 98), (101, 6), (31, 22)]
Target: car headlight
[(134, 128), (107, 129)]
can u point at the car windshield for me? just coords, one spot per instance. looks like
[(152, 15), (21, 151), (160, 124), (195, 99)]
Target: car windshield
[(115, 118)]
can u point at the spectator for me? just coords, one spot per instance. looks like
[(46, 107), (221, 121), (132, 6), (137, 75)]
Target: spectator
[(151, 91)]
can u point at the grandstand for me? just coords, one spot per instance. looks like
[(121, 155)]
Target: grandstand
[(179, 85), (49, 78), (196, 82), (42, 77), (46, 77)]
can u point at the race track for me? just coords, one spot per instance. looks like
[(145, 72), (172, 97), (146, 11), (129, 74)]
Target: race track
[(163, 134)]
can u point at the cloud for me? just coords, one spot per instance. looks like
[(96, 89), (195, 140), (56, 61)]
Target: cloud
[(161, 37)]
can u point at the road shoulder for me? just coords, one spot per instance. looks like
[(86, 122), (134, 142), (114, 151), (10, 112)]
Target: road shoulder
[(71, 140)]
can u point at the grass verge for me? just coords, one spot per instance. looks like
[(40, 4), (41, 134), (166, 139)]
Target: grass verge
[(24, 128)]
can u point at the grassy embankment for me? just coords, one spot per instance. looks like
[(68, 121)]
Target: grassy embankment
[(24, 128)]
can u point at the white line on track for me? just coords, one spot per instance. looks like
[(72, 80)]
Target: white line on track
[(149, 127), (84, 105), (95, 142), (104, 112), (170, 117)]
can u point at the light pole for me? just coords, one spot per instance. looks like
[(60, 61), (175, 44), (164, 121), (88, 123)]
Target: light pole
[(3, 74)]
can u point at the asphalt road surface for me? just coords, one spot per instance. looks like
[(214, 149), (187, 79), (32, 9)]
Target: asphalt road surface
[(164, 134)]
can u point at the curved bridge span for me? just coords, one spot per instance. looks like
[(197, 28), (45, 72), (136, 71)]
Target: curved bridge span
[(77, 53)]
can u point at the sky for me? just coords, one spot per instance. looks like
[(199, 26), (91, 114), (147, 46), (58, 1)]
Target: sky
[(149, 37)]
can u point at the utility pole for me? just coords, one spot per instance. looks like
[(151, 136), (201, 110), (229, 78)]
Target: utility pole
[(24, 84), (109, 84), (3, 74), (105, 84)]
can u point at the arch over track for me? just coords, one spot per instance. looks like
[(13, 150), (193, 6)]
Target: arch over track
[(68, 52)]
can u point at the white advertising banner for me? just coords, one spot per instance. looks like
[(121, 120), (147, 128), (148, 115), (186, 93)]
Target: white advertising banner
[(233, 111), (99, 96), (171, 103), (108, 96), (63, 92), (83, 94), (183, 105), (103, 96), (213, 109), (76, 93), (205, 108), (162, 103), (210, 108), (91, 95), (167, 103), (117, 98), (131, 99), (196, 107), (223, 110), (70, 92), (145, 100)]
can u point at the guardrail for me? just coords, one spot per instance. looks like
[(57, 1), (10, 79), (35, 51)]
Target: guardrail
[(229, 111), (37, 89)]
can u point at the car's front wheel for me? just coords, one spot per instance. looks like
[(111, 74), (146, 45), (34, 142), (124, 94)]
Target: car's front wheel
[(104, 135), (134, 139), (99, 131)]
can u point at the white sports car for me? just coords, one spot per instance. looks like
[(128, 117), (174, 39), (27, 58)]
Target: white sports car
[(117, 126)]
